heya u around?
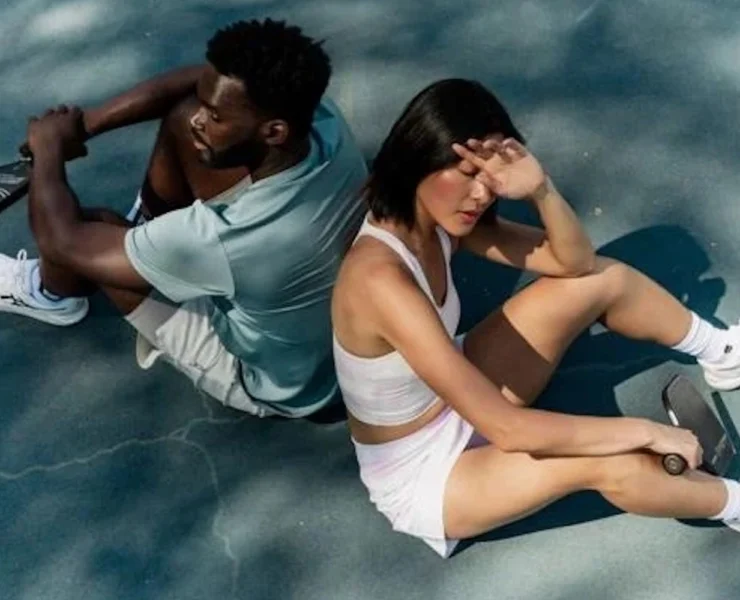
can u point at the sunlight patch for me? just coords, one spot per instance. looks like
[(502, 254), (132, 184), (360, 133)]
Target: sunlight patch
[(528, 39), (372, 93), (89, 77), (66, 20), (721, 58)]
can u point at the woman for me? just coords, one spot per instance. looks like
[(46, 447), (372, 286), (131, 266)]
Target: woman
[(445, 439)]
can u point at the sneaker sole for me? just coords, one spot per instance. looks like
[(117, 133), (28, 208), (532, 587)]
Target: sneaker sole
[(734, 525), (49, 317), (723, 385)]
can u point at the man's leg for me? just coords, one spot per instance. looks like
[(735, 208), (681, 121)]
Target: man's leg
[(59, 282), (165, 186), (52, 293), (40, 289), (174, 172)]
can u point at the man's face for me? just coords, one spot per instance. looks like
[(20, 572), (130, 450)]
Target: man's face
[(226, 127)]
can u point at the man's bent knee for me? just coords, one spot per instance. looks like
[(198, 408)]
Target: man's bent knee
[(165, 186), (177, 121)]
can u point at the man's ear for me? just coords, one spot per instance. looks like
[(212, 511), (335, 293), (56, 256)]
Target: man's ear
[(275, 132)]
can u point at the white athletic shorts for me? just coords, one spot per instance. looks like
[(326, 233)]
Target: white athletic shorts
[(184, 336), (406, 478)]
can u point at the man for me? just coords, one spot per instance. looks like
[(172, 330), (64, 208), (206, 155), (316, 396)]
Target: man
[(252, 197)]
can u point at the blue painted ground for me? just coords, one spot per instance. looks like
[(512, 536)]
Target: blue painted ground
[(116, 483)]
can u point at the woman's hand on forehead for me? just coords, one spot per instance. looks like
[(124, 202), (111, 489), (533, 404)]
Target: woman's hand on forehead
[(505, 167), (483, 149)]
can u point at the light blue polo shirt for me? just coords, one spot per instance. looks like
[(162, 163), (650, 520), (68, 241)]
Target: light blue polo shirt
[(267, 254)]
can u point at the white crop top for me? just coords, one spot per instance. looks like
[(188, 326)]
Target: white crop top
[(385, 390)]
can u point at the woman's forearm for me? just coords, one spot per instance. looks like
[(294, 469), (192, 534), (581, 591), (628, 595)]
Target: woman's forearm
[(535, 431), (543, 433), (567, 238), (149, 100)]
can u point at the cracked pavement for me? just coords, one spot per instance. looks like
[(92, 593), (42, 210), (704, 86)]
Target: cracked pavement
[(118, 483)]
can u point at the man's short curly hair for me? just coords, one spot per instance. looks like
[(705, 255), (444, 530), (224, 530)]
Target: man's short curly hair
[(285, 72)]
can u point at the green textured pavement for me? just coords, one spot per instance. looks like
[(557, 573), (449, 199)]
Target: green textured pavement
[(119, 483)]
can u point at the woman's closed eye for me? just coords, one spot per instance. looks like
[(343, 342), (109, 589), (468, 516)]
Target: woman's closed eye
[(467, 168)]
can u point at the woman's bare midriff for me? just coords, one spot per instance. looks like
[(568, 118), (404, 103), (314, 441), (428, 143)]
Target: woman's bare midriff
[(364, 433)]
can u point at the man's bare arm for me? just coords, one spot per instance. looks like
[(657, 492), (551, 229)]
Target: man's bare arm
[(94, 250), (149, 100)]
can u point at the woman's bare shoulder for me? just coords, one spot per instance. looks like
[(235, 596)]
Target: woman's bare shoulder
[(369, 268)]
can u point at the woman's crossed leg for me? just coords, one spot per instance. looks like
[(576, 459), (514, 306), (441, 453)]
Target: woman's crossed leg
[(519, 348)]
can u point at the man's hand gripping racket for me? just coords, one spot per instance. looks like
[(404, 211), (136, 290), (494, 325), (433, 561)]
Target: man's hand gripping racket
[(64, 126), (14, 178)]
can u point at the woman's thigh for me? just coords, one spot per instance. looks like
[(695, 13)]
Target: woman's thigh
[(519, 346), (488, 488)]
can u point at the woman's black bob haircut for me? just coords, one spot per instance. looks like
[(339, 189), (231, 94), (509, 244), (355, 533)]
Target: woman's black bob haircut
[(420, 142)]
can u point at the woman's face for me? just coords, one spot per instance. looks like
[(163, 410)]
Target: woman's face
[(454, 198)]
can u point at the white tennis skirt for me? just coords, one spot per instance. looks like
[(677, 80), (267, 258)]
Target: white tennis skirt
[(406, 478)]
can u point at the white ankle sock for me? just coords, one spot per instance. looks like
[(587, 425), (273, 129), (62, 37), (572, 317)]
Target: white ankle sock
[(43, 297), (703, 341), (731, 511)]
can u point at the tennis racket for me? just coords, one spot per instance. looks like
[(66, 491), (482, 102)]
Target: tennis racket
[(14, 178)]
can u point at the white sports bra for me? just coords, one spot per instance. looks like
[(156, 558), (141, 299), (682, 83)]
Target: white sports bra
[(385, 390)]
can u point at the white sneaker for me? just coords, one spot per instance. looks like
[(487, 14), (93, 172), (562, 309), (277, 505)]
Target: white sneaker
[(725, 374), (16, 294), (732, 524)]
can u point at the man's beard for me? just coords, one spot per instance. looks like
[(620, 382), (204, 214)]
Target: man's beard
[(248, 153)]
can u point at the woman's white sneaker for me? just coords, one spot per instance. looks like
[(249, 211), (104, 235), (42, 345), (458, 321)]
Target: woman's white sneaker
[(16, 294), (732, 524)]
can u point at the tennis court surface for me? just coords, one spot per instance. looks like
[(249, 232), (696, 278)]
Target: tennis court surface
[(119, 483)]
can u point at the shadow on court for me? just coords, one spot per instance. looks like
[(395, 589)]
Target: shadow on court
[(118, 483)]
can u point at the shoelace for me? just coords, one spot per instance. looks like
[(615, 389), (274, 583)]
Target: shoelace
[(16, 277), (20, 271)]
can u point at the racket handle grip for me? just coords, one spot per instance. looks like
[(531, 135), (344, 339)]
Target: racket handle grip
[(674, 464)]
